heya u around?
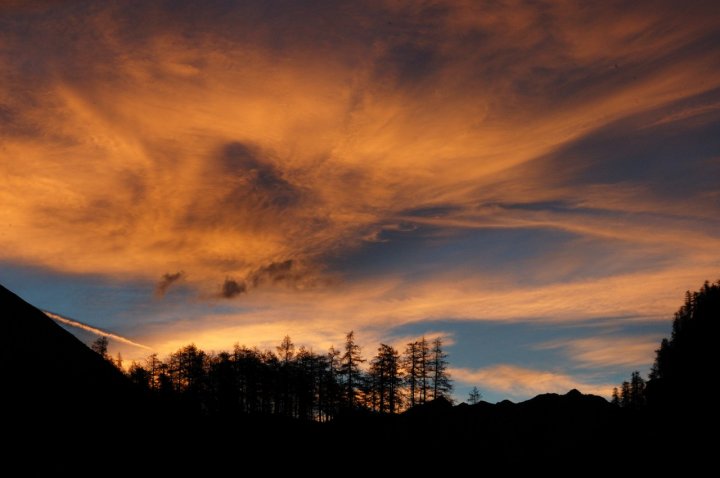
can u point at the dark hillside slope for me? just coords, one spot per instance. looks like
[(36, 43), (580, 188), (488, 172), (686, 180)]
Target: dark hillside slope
[(47, 372)]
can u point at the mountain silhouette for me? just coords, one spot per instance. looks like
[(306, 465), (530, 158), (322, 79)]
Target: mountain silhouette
[(59, 398), (543, 431), (46, 367)]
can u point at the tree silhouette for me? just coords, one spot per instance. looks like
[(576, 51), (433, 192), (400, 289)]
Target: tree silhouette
[(286, 350), (187, 370), (286, 368), (331, 389), (294, 382), (153, 367), (637, 390), (423, 368), (439, 375), (222, 392), (475, 396), (632, 393), (350, 369), (386, 380), (411, 367), (684, 361), (139, 375), (100, 346), (625, 394), (418, 362)]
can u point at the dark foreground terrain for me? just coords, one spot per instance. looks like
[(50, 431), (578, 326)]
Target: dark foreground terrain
[(74, 411)]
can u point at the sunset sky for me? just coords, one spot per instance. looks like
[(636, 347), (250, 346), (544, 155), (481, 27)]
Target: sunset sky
[(538, 182)]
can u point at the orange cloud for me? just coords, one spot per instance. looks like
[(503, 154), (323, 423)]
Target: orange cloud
[(609, 351), (319, 318), (523, 383), (206, 141)]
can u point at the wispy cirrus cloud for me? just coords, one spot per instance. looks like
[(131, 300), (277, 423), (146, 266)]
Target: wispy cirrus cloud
[(608, 351), (523, 383), (364, 165), (262, 150)]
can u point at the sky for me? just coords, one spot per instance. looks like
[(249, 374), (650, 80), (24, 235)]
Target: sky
[(536, 182)]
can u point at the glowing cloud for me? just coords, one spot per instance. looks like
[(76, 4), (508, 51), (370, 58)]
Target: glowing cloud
[(363, 165), (522, 383), (609, 351), (207, 154)]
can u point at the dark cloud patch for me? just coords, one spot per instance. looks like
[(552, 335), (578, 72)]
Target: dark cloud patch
[(432, 211), (390, 232), (86, 42), (554, 206), (257, 183), (247, 191), (274, 273), (408, 63), (15, 124), (558, 208), (232, 288), (166, 281), (239, 156), (557, 205), (135, 186)]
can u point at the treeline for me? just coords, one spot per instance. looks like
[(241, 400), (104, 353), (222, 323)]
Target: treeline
[(631, 394), (294, 381), (683, 361)]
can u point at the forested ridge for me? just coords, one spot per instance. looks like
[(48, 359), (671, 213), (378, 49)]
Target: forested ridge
[(295, 381), (682, 362)]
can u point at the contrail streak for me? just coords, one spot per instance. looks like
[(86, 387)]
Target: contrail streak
[(94, 330)]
